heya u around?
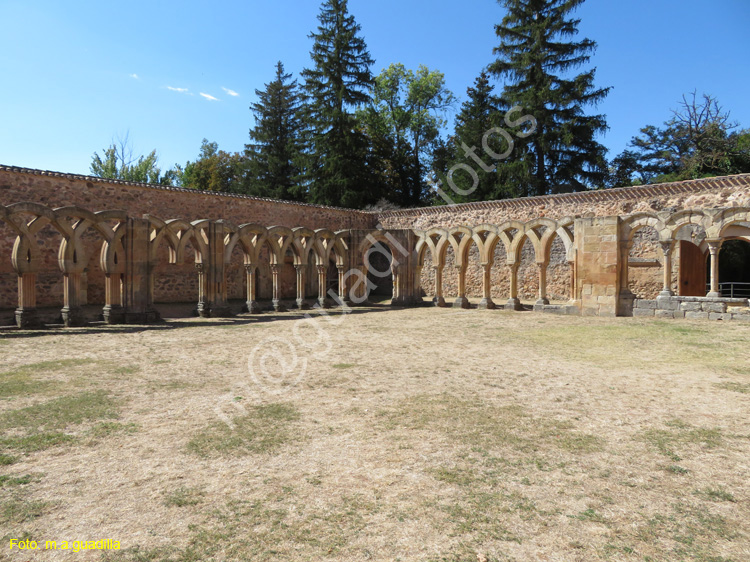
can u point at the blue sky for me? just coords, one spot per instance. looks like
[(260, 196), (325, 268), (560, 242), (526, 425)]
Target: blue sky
[(74, 75)]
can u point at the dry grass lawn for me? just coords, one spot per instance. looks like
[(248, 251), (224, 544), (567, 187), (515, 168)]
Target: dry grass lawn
[(413, 435)]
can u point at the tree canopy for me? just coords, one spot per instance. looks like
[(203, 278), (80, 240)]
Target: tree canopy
[(536, 56)]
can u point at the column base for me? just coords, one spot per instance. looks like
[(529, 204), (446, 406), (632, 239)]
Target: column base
[(277, 306), (204, 310), (148, 317), (543, 301), (513, 304), (72, 317), (324, 302), (302, 304), (27, 318), (486, 304), (253, 307), (711, 295), (461, 302), (221, 311), (665, 295), (439, 301), (113, 314)]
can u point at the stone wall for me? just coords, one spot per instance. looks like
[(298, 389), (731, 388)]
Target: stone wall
[(696, 308), (645, 273), (179, 282), (172, 282)]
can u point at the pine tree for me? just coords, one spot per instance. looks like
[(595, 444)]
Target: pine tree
[(274, 158), (339, 82), (536, 56), (479, 114)]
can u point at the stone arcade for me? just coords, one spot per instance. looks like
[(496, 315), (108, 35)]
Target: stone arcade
[(68, 242)]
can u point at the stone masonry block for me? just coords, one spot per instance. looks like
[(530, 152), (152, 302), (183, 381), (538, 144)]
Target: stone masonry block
[(719, 316), (645, 303), (696, 315), (690, 306), (667, 304), (664, 313), (720, 307), (643, 312)]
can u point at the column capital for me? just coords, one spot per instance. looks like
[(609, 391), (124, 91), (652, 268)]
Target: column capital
[(714, 245), (666, 246)]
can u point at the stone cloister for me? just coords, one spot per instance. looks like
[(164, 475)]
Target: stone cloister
[(610, 250)]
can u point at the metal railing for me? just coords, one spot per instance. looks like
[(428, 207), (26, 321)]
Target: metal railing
[(733, 290)]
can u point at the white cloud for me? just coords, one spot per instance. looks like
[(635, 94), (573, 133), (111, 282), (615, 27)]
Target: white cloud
[(209, 97), (135, 76), (181, 90), (230, 92)]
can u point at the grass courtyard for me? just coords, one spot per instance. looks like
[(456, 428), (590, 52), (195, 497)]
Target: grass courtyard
[(413, 435)]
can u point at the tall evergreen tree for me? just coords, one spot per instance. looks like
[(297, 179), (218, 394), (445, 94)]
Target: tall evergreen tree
[(536, 56), (339, 82), (274, 158), (479, 114)]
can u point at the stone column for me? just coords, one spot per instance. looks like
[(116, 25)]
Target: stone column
[(542, 300), (138, 293), (344, 296), (396, 296), (666, 248), (301, 304), (275, 295), (418, 285), (572, 266), (714, 246), (624, 269), (323, 299), (461, 300), (72, 314), (438, 300), (113, 312), (252, 303), (26, 314), (513, 302), (204, 306), (486, 301)]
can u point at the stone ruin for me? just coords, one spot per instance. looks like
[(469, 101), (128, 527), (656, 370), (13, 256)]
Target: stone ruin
[(70, 244)]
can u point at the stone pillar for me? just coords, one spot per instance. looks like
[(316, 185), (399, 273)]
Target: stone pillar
[(113, 312), (252, 291), (26, 314), (212, 276), (624, 268), (714, 246), (301, 303), (396, 295), (204, 305), (72, 314), (438, 300), (138, 282), (344, 297), (323, 299), (542, 300), (597, 265), (461, 300), (666, 249), (276, 288), (513, 302), (486, 301), (418, 285), (572, 265)]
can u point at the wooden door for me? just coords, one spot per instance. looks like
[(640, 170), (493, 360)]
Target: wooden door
[(692, 270)]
